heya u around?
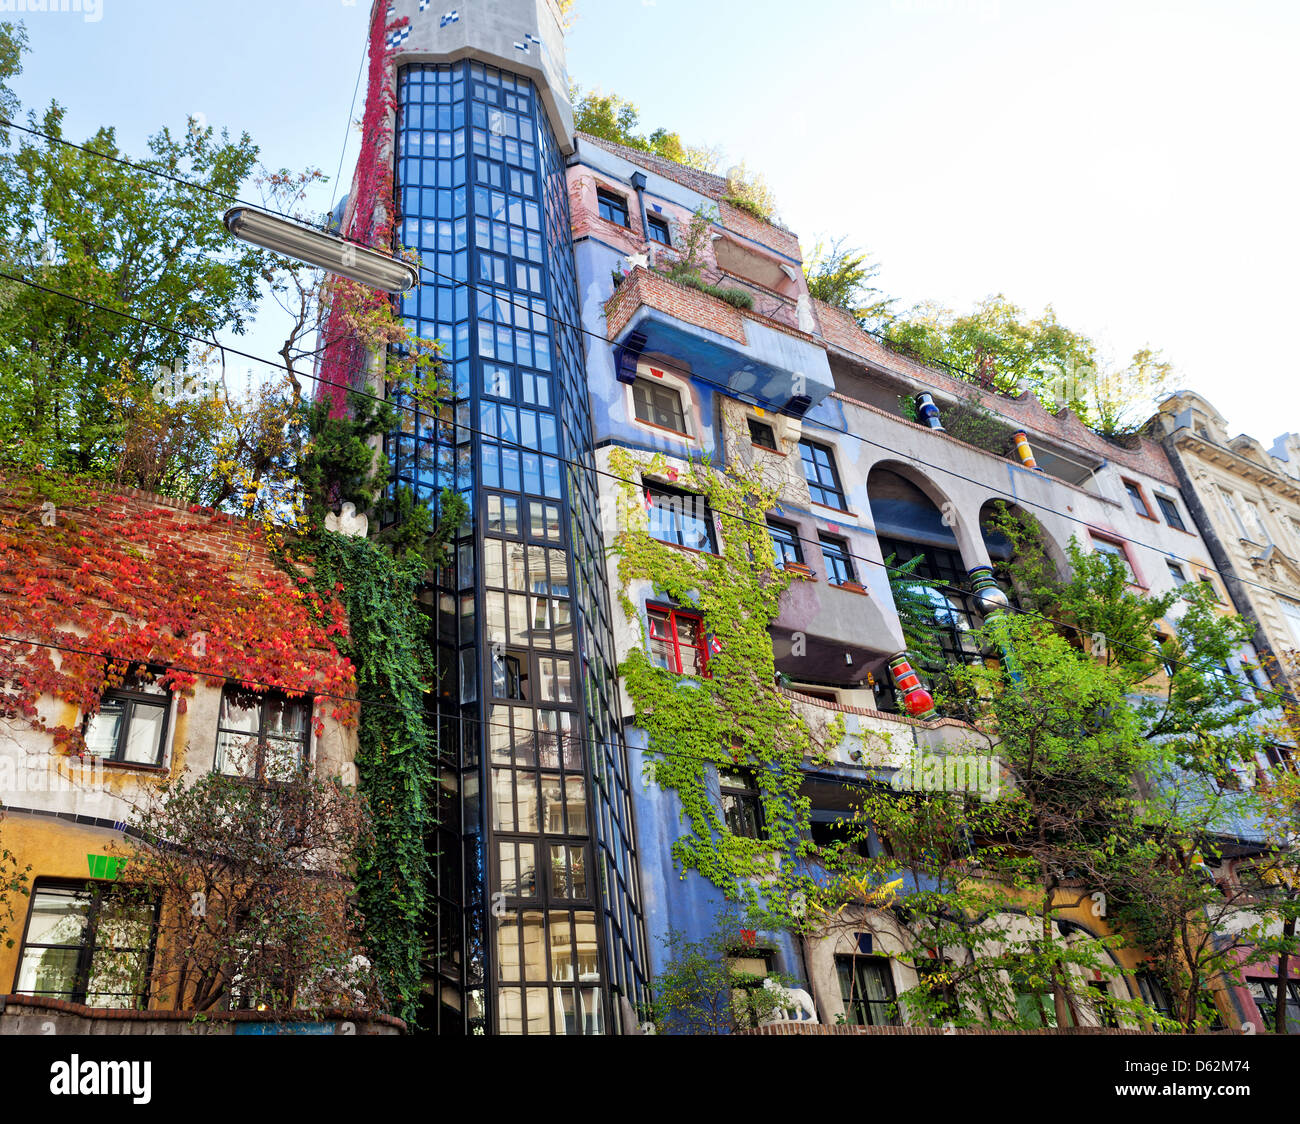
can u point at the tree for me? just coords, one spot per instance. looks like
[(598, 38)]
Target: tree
[(999, 345), (13, 881), (127, 240), (251, 879), (839, 275), (1196, 729), (703, 989), (750, 192), (616, 119)]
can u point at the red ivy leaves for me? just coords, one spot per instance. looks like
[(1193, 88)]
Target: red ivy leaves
[(121, 579)]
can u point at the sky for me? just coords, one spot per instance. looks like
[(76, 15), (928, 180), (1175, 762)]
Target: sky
[(1133, 164)]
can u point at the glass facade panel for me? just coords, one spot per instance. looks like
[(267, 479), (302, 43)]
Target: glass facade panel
[(483, 197)]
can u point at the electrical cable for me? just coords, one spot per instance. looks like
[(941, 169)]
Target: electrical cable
[(563, 460)]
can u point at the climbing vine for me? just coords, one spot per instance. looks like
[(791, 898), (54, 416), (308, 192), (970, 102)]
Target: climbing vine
[(96, 584), (736, 716), (395, 753)]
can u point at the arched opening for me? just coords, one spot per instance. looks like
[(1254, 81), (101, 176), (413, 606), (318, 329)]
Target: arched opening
[(1016, 542), (928, 576)]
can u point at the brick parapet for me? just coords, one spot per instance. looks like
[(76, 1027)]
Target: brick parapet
[(841, 331)]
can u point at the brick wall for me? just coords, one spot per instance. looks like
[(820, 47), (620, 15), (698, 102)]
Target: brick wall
[(789, 1029), (34, 1014), (679, 301), (841, 331)]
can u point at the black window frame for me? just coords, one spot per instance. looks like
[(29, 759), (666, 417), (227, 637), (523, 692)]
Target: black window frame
[(264, 699), (610, 202), (679, 500), (132, 698), (815, 473), (756, 428), (655, 226), (741, 802), (838, 557), (98, 891), (1268, 985), (1169, 508), (785, 535), (859, 1010), (652, 389)]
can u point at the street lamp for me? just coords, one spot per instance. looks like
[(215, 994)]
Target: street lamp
[(325, 251)]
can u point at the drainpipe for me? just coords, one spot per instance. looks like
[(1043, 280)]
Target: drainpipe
[(638, 182), (1237, 591)]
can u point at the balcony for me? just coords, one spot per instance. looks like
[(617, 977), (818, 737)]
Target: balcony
[(753, 355), (832, 634)]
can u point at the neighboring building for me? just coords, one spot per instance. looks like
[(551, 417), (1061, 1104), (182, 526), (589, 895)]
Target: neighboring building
[(1247, 501), (180, 610)]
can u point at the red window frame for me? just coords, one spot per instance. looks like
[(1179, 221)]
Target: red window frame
[(670, 641)]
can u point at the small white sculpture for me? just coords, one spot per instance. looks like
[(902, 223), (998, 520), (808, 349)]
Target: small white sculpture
[(348, 522), (634, 260), (789, 1000)]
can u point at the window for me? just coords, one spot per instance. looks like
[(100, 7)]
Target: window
[(1264, 992), (1102, 1003), (785, 541), (1291, 611), (1176, 572), (1104, 546), (867, 989), (658, 404), (87, 944), (746, 970), (131, 725), (1136, 498), (680, 518), (762, 434), (943, 989), (819, 471), (612, 207), (742, 806), (1232, 510), (839, 566), (677, 642), (1256, 520), (261, 736), (1034, 1003), (1171, 513), (845, 832), (1214, 589), (1281, 757), (1153, 992), (953, 612), (657, 230), (510, 675)]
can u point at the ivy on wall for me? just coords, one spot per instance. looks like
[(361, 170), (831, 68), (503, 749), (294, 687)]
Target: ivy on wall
[(396, 755), (736, 716), (102, 583)]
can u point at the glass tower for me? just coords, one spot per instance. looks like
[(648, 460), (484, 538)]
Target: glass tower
[(537, 926)]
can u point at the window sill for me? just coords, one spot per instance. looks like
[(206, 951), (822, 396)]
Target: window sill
[(837, 510), (765, 449), (851, 587), (686, 438), (689, 549), (122, 766)]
